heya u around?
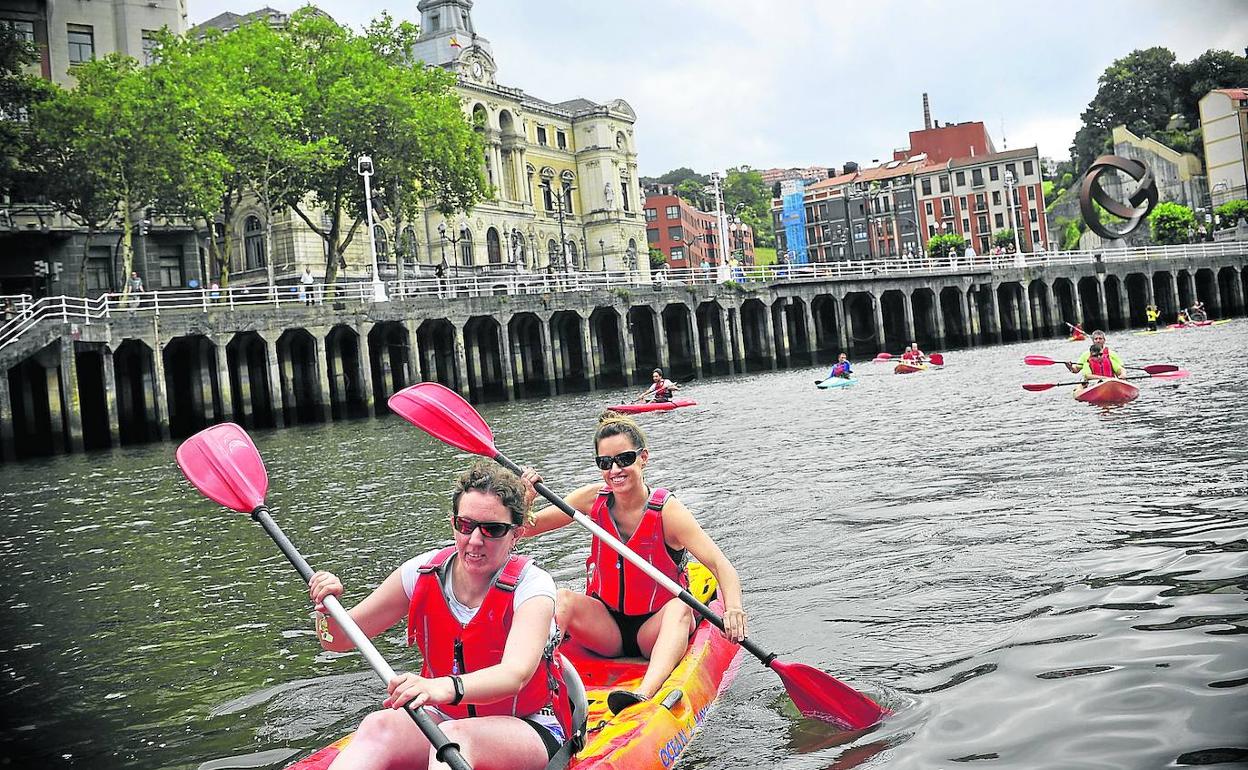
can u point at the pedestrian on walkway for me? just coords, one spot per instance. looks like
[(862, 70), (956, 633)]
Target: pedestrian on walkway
[(305, 286), (135, 288)]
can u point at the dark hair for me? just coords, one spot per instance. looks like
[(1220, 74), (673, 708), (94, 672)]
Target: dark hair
[(1096, 350), (658, 372), (493, 479), (615, 424)]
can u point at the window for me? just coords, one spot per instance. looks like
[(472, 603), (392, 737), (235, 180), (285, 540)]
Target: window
[(678, 252), (567, 198), (962, 201), (977, 177), (651, 215), (652, 236), (961, 178), (561, 139), (981, 202), (99, 269), (149, 46), (1000, 220), (552, 252), (465, 247), (253, 243), (672, 212), (435, 22), (81, 40), (1028, 169), (171, 268), (548, 197), (23, 30), (931, 231), (1033, 215), (541, 135), (993, 173), (1010, 168), (996, 197), (927, 186), (946, 207), (981, 222), (624, 198), (928, 205), (676, 233), (493, 246), (944, 184), (966, 226), (1035, 237)]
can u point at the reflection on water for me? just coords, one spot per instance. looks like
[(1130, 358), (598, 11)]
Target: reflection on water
[(1029, 582)]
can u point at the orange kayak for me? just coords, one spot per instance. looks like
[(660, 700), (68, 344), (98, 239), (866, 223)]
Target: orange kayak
[(651, 734), (905, 368), (1109, 392)]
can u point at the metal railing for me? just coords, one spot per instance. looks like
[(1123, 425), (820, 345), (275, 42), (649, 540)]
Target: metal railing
[(26, 313)]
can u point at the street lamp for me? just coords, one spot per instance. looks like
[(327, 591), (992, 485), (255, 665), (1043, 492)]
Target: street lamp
[(364, 166), (454, 239), (602, 250), (564, 189), (1009, 205)]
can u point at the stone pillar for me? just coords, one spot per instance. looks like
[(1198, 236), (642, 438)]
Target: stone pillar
[(8, 447), (56, 407), (69, 391), (1237, 296), (1054, 327), (782, 339), (461, 361), (160, 403), (938, 318), (1149, 299), (660, 337), (548, 356), (365, 363), (721, 352), (1191, 286), (1078, 302), (1175, 306), (1102, 304), (626, 346), (325, 400), (769, 333), (277, 387), (812, 332), (1215, 299), (736, 340), (223, 381), (973, 337), (696, 343), (1124, 304), (993, 332), (907, 311), (842, 326), (877, 308), (591, 358), (207, 363), (505, 360), (1024, 310)]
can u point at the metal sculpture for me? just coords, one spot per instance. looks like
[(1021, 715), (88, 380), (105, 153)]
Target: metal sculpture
[(1091, 190)]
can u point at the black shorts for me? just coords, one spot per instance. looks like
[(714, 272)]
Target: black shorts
[(549, 740), (629, 625)]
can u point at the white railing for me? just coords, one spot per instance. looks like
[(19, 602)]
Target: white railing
[(23, 313)]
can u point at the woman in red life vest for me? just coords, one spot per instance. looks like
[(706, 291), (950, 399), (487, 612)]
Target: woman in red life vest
[(482, 617), (919, 355), (909, 354), (623, 611)]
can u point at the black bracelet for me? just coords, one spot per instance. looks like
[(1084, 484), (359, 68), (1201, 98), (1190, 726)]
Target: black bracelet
[(458, 684)]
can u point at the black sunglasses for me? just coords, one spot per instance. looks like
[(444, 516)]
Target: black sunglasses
[(623, 459), (490, 529)]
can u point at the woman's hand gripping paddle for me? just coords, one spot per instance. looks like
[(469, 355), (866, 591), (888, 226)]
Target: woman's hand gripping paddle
[(1178, 374), (1151, 368), (224, 464), (443, 414)]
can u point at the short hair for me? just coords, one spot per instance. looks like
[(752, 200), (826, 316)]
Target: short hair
[(493, 479), (612, 423)]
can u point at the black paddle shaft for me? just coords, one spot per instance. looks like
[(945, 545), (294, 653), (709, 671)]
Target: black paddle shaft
[(446, 750), (683, 595)]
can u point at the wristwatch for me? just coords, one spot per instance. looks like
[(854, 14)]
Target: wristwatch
[(458, 684)]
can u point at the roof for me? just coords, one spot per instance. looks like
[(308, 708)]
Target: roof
[(228, 21), (992, 157)]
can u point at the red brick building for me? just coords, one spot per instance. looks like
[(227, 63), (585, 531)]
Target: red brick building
[(687, 236)]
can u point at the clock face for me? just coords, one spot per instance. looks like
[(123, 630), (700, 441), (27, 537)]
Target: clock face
[(477, 69)]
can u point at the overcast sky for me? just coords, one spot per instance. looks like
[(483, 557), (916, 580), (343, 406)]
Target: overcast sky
[(720, 83)]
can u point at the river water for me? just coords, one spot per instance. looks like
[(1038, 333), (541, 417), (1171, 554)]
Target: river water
[(1028, 581)]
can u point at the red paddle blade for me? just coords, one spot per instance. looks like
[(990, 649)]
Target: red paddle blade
[(445, 415), (1177, 374), (1036, 387), (1039, 361), (224, 464), (938, 359), (883, 356), (1161, 368), (821, 696)]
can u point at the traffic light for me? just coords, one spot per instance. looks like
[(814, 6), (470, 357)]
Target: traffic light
[(41, 268)]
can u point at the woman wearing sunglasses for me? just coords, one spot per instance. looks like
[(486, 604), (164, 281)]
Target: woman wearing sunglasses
[(482, 617), (624, 612)]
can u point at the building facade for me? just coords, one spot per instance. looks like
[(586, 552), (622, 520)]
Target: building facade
[(807, 174), (1224, 132), (978, 196), (1180, 176), (688, 237)]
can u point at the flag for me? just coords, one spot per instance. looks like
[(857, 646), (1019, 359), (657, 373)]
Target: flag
[(455, 42)]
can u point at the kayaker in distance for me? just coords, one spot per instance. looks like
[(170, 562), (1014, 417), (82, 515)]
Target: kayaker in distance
[(659, 392), (1098, 338), (1180, 318), (1076, 333), (1197, 312), (919, 356), (1151, 313), (908, 354), (1099, 364), (841, 369), (623, 611), (488, 681)]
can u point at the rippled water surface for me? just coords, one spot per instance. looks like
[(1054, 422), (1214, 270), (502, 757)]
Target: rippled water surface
[(1028, 581)]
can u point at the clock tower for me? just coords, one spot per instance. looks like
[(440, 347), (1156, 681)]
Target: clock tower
[(448, 40)]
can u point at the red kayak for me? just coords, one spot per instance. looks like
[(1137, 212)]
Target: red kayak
[(654, 406), (908, 368), (1108, 392)]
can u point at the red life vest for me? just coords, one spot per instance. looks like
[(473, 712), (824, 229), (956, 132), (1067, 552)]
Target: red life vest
[(660, 390), (907, 356), (616, 581), (451, 648), (1103, 366)]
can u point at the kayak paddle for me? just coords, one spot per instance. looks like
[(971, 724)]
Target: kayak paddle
[(446, 416), (223, 463), (1036, 387), (882, 356), (937, 358), (1151, 368)]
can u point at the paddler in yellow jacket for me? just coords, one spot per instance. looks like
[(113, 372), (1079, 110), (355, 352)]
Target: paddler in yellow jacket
[(1152, 314)]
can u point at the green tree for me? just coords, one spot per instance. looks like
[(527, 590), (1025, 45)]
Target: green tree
[(19, 92), (1138, 91), (1171, 223), (1212, 69), (749, 197), (938, 247), (695, 192), (1232, 211), (657, 258), (1003, 238), (678, 175)]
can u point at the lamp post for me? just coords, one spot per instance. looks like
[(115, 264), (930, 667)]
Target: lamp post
[(563, 241), (721, 226), (364, 166), (1009, 194), (602, 250), (454, 239)]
